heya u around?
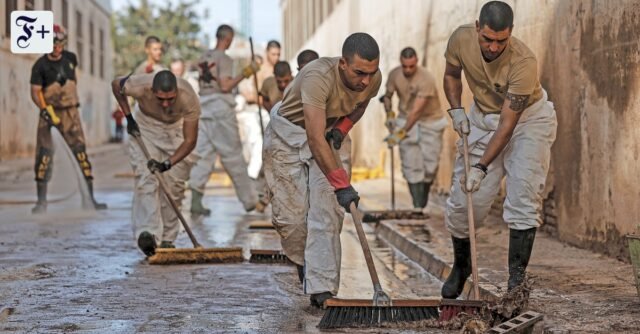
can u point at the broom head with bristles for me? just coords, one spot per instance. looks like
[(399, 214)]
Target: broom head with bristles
[(268, 256), (451, 308), (196, 255), (342, 313), (261, 225), (377, 216)]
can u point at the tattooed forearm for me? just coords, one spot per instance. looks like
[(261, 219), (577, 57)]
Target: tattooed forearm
[(517, 102)]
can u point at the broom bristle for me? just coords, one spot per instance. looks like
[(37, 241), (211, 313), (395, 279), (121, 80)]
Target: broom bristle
[(261, 225), (451, 308), (268, 256), (164, 256), (372, 316)]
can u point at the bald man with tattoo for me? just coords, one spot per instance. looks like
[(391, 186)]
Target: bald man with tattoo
[(510, 127)]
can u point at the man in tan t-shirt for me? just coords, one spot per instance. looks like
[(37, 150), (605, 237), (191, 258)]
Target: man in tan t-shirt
[(166, 119), (419, 126), (273, 87), (218, 133), (153, 50), (310, 188), (511, 127)]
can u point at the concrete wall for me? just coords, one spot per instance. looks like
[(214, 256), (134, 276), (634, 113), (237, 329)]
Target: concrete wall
[(588, 60), (18, 114)]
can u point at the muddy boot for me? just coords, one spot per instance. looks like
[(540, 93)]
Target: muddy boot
[(300, 273), (96, 205), (318, 299), (41, 204), (417, 194), (147, 243), (520, 246), (453, 286), (196, 204), (167, 244)]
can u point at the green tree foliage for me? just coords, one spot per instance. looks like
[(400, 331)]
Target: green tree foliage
[(177, 25)]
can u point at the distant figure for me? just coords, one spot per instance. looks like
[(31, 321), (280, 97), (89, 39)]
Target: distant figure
[(153, 50), (305, 57), (117, 116)]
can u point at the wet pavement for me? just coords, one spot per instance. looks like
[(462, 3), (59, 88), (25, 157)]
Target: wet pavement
[(80, 271)]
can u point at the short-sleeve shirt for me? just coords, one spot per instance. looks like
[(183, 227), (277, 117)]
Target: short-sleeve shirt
[(319, 84), (421, 84), (143, 68), (186, 106), (515, 71), (58, 79), (223, 69), (270, 90)]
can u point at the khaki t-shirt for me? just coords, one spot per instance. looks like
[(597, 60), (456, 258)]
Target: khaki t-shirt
[(187, 104), (421, 84), (515, 71), (223, 69), (142, 68), (319, 84), (270, 90)]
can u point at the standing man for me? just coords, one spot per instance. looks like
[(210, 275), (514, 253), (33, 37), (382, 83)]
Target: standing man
[(273, 86), (419, 126), (218, 133), (53, 79), (310, 188), (166, 120), (153, 50), (272, 54), (511, 126), (305, 57), (117, 116)]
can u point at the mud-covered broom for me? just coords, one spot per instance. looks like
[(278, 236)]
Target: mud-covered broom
[(195, 255)]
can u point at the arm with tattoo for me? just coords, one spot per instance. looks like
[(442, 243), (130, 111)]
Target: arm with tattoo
[(509, 117)]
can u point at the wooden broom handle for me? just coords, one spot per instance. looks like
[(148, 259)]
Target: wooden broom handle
[(472, 227), (255, 83)]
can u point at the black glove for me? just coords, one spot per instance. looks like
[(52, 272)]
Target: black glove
[(335, 136), (346, 196), (157, 166), (132, 126), (46, 117)]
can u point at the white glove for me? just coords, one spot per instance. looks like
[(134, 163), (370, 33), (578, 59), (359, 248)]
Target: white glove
[(460, 120), (476, 175)]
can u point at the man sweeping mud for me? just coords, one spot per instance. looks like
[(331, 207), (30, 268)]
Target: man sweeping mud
[(510, 126), (219, 125), (166, 119), (419, 126), (309, 187), (54, 92)]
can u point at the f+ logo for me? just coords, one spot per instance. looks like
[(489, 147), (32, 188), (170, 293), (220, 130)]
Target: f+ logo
[(31, 31)]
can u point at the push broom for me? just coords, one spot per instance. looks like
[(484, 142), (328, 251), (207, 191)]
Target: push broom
[(197, 254)]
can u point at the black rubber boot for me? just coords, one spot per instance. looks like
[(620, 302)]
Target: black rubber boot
[(417, 194), (41, 204), (147, 243), (98, 206), (196, 204), (453, 286), (520, 246), (427, 189), (167, 244), (300, 273), (318, 299)]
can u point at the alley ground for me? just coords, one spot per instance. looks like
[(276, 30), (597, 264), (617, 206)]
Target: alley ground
[(80, 271)]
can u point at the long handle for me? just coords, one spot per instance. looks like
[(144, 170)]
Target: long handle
[(472, 225), (165, 190), (255, 82), (393, 181)]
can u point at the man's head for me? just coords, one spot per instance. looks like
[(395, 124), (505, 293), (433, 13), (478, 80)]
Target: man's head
[(494, 28), (59, 40), (409, 62), (359, 62), (165, 88), (282, 73), (273, 52), (305, 57), (153, 48), (224, 35), (177, 67)]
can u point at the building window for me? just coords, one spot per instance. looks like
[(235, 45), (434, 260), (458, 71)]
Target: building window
[(28, 5), (92, 51), (11, 6), (65, 14), (102, 53), (47, 5), (79, 35)]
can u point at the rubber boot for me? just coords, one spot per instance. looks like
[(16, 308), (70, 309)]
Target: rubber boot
[(417, 194), (300, 273), (453, 286), (196, 204), (98, 206), (427, 189), (167, 244), (318, 299), (41, 204), (520, 246), (147, 243)]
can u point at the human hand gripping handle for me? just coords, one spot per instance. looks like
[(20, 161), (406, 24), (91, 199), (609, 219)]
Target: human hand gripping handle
[(345, 193), (132, 126), (460, 120), (157, 166), (477, 173), (250, 69), (395, 137), (336, 135)]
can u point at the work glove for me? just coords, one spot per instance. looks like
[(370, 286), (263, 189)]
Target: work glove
[(336, 137), (394, 138), (391, 122), (347, 195), (132, 126), (250, 69), (157, 166), (460, 120), (477, 173)]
